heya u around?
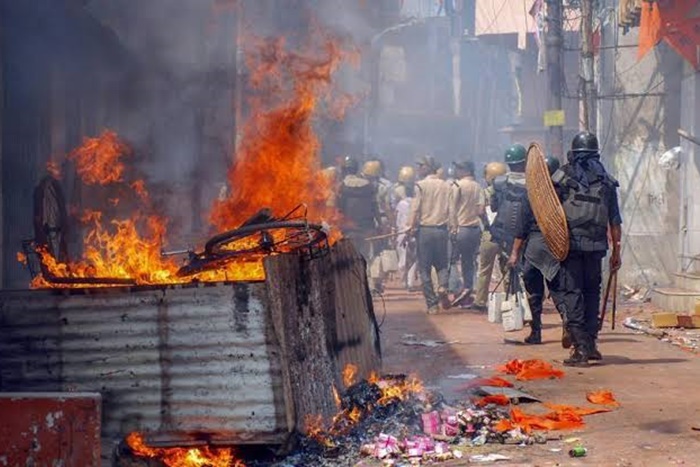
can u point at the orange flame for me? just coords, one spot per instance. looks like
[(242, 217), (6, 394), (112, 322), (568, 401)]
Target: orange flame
[(98, 160), (183, 457), (397, 389), (277, 164), (393, 389), (349, 374)]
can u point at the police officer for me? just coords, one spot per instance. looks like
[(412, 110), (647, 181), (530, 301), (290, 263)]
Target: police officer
[(372, 170), (589, 198), (429, 219), (537, 264), (357, 202), (488, 249), (404, 186), (466, 209), (507, 202)]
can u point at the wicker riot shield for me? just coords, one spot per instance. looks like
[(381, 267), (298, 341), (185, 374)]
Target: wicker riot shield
[(545, 203)]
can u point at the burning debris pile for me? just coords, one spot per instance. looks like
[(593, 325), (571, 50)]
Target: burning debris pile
[(394, 420)]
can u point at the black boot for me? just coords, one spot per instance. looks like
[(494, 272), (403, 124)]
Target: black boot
[(578, 358), (535, 336), (595, 353), (581, 354), (565, 338)]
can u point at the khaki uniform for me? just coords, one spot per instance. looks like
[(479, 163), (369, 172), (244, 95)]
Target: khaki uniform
[(488, 254), (466, 204), (430, 207), (430, 217)]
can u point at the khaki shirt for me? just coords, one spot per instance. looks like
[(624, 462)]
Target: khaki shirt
[(430, 206), (466, 203)]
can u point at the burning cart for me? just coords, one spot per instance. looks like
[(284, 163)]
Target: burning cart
[(215, 363)]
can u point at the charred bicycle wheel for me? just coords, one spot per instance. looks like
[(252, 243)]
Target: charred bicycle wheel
[(253, 241)]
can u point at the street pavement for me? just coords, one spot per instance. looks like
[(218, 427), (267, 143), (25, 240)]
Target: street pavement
[(657, 385)]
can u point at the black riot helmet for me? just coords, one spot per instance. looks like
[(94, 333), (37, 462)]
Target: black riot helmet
[(585, 142), (350, 165), (552, 164)]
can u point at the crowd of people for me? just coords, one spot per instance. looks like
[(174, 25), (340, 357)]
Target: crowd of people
[(446, 231)]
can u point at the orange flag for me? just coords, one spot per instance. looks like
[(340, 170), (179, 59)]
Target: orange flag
[(649, 28)]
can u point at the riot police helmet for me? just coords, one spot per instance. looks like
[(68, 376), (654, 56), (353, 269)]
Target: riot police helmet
[(350, 165), (516, 154), (585, 142), (552, 164)]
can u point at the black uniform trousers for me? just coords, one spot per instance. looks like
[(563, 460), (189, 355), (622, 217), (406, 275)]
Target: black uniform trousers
[(534, 285), (576, 294)]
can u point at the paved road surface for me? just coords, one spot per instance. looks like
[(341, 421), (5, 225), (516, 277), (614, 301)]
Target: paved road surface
[(658, 385)]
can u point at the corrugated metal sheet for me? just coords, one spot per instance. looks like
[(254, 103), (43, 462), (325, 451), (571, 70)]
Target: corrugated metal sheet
[(167, 360)]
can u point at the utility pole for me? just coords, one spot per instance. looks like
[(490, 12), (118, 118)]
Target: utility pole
[(588, 90), (606, 76), (554, 116)]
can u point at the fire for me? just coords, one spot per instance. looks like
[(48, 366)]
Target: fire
[(183, 457), (349, 374), (392, 389), (397, 389), (315, 429), (99, 160), (276, 166)]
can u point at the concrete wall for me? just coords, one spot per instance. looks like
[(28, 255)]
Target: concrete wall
[(642, 124), (690, 172)]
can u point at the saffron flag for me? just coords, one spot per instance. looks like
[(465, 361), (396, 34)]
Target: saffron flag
[(675, 21)]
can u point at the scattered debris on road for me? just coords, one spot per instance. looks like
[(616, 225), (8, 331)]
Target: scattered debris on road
[(412, 339), (688, 340)]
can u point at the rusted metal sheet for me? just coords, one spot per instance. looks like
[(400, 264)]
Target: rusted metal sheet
[(171, 360), (50, 429), (199, 364), (356, 327)]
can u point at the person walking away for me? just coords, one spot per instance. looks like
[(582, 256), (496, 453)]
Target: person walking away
[(488, 249), (403, 186), (429, 220), (454, 282), (405, 246), (507, 202), (466, 208), (531, 254), (357, 202), (590, 200), (372, 171)]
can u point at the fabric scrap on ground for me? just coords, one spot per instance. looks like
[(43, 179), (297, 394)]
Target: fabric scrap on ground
[(602, 397), (527, 370)]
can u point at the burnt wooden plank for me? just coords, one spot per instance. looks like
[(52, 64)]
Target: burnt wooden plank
[(301, 301)]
